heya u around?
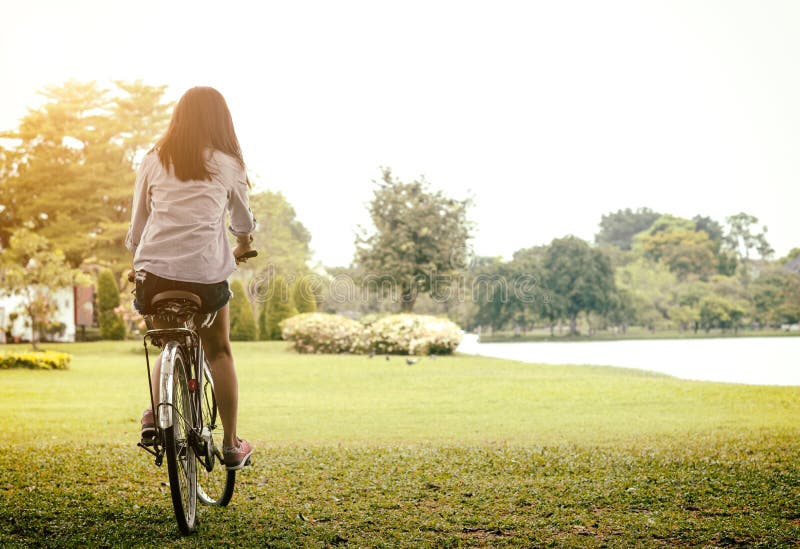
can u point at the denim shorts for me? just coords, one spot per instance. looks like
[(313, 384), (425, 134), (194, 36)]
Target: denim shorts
[(214, 296)]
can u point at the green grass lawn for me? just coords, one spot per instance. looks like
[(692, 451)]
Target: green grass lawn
[(456, 451)]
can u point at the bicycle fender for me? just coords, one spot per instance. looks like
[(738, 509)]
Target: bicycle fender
[(168, 359)]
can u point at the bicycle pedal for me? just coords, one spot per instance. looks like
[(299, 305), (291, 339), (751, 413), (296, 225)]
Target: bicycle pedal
[(148, 441)]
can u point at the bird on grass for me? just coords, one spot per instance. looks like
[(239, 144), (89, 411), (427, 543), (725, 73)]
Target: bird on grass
[(387, 357), (411, 361), (371, 354)]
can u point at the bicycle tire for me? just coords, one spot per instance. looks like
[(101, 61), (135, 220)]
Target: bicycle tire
[(180, 453), (215, 484)]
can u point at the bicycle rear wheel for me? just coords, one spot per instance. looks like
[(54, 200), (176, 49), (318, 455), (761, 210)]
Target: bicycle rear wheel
[(214, 483), (181, 460)]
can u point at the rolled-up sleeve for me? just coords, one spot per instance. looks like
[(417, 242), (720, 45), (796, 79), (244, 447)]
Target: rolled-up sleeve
[(242, 221), (140, 210)]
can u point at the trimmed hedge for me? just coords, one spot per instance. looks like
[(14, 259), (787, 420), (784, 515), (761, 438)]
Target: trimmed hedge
[(405, 334), (47, 360)]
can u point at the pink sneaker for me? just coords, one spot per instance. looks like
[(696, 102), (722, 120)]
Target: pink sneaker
[(236, 457), (148, 427)]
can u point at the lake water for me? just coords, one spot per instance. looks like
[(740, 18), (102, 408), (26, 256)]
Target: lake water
[(754, 360)]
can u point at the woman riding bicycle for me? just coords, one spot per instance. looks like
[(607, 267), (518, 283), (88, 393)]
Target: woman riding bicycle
[(186, 187)]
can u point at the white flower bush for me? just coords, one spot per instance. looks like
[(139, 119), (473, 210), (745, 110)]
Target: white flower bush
[(405, 334), (413, 335), (322, 333)]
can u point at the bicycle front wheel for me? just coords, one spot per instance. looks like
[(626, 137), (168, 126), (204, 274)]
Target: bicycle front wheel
[(214, 483), (181, 460)]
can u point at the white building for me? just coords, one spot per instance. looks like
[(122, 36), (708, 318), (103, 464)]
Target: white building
[(74, 308)]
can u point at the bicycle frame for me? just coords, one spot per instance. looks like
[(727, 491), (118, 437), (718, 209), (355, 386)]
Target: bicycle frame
[(172, 341)]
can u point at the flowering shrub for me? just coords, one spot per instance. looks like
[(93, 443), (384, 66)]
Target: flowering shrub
[(405, 334), (413, 335), (322, 333), (48, 360)]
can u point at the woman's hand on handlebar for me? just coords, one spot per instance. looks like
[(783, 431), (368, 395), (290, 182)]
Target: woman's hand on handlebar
[(243, 252)]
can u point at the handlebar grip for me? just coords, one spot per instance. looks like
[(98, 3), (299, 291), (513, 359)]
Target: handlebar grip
[(245, 256)]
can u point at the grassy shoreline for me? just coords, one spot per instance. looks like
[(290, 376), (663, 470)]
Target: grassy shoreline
[(456, 451), (544, 336)]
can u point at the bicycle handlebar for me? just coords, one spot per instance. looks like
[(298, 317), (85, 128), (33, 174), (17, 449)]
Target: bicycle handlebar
[(245, 256)]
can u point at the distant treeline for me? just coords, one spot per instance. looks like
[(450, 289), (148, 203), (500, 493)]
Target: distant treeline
[(645, 268)]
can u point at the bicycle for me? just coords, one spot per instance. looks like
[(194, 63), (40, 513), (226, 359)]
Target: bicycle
[(188, 430)]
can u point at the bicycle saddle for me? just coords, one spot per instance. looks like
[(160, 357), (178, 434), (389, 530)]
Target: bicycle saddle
[(176, 294)]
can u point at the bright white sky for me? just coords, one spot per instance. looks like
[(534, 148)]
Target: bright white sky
[(548, 113)]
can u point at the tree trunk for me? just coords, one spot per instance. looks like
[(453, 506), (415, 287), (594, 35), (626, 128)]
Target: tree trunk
[(573, 324), (32, 317), (407, 301)]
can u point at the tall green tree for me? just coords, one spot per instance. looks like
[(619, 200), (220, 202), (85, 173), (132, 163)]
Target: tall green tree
[(281, 239), (579, 277), (418, 240), (111, 325), (683, 251), (648, 288), (243, 325), (277, 307), (304, 299), (34, 270), (726, 260), (742, 238), (490, 290), (776, 297), (69, 175), (618, 228)]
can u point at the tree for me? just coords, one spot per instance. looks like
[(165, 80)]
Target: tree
[(688, 295), (580, 277), (111, 325), (683, 251), (726, 261), (69, 175), (618, 228), (243, 325), (277, 307), (282, 241), (32, 269), (491, 293), (742, 239), (418, 241), (776, 297), (303, 297), (648, 288), (719, 312)]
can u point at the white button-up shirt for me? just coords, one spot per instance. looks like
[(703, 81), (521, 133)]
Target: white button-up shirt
[(177, 227)]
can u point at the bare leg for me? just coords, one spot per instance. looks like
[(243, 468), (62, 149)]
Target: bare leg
[(217, 347)]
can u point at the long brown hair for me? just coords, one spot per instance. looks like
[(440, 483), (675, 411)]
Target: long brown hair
[(201, 119)]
